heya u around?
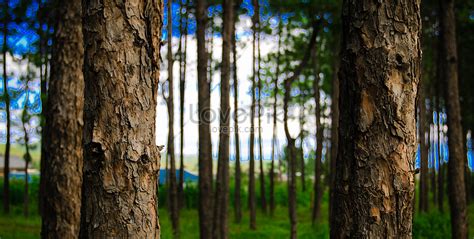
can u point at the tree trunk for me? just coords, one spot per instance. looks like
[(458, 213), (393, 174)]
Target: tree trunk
[(173, 187), (205, 148), (380, 71), (334, 126), (319, 141), (121, 159), (275, 103), (61, 168), (423, 199), (237, 196), (221, 229), (456, 164), (6, 97), (302, 165), (251, 199), (263, 196), (437, 150), (182, 87)]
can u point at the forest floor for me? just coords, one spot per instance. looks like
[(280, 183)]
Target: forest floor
[(432, 225)]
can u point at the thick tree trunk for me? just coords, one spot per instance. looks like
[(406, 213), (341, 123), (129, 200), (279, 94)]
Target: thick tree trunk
[(221, 229), (237, 179), (319, 141), (61, 168), (423, 199), (275, 103), (456, 164), (205, 148), (121, 159), (380, 71), (173, 187), (251, 187), (6, 97)]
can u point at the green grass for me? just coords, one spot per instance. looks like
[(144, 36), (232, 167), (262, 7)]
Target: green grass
[(430, 225)]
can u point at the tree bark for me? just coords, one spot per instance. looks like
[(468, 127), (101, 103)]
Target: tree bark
[(423, 199), (237, 179), (456, 163), (380, 71), (221, 229), (61, 167), (319, 141), (6, 97), (121, 159), (173, 187), (205, 148)]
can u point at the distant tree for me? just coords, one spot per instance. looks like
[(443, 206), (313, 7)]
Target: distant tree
[(377, 139), (6, 168), (221, 228), (169, 98), (62, 159), (422, 127), (121, 159), (251, 187), (456, 163), (205, 148)]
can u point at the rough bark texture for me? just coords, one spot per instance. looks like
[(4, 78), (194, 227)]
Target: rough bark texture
[(6, 98), (237, 179), (221, 229), (422, 126), (173, 187), (205, 153), (61, 167), (319, 141), (251, 188), (121, 159), (456, 164), (380, 71)]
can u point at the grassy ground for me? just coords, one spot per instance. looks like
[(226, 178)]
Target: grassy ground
[(431, 225)]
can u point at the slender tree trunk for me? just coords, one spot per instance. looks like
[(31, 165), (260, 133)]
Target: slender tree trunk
[(437, 150), (251, 187), (334, 127), (221, 229), (423, 199), (182, 86), (275, 103), (27, 156), (319, 141), (456, 164), (263, 196), (121, 159), (431, 151), (237, 179), (6, 98), (205, 148), (379, 79), (302, 165), (173, 187), (61, 168)]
